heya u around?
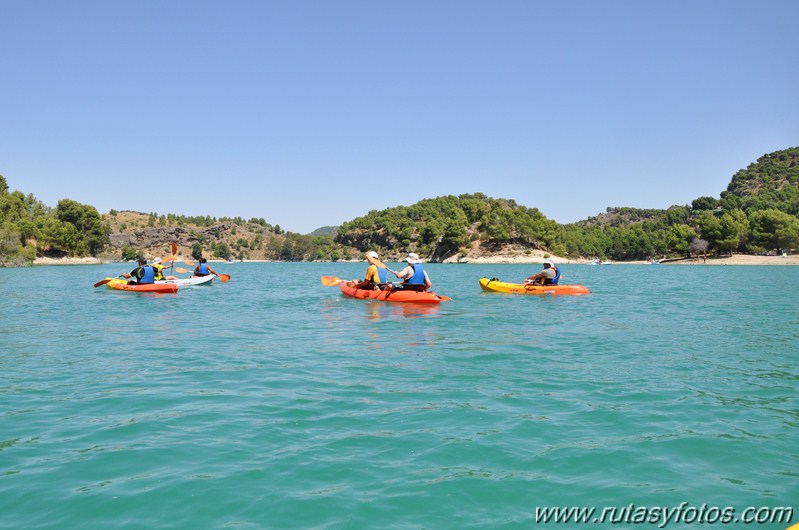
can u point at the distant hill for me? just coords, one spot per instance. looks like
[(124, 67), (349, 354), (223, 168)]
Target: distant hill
[(325, 231), (770, 183), (226, 238), (449, 227)]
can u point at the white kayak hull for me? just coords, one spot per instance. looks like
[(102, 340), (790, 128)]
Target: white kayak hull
[(190, 282)]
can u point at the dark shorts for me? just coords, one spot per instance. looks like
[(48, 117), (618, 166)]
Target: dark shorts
[(408, 287)]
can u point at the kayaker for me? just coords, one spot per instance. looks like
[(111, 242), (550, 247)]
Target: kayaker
[(375, 278), (159, 271), (549, 276), (203, 269), (142, 274), (414, 276)]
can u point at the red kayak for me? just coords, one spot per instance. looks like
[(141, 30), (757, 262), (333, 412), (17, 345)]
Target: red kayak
[(396, 295)]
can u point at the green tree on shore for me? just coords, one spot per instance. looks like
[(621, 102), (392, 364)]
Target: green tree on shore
[(773, 229)]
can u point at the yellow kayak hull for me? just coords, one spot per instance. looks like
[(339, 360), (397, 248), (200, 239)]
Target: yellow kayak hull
[(122, 285), (497, 286)]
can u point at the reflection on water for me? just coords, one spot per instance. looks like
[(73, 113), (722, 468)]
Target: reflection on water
[(340, 308), (377, 324), (379, 310)]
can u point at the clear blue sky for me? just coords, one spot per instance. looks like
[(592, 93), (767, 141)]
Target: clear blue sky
[(311, 113)]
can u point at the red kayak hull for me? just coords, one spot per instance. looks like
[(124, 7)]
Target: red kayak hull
[(397, 295)]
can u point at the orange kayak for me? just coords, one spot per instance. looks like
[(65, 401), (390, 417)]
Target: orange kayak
[(398, 295), (122, 285), (497, 286)]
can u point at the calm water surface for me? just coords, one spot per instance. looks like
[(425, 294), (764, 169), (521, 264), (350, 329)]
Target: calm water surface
[(273, 402)]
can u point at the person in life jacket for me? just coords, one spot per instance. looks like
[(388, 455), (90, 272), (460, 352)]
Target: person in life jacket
[(142, 274), (159, 271), (203, 269), (549, 276), (414, 277), (376, 277)]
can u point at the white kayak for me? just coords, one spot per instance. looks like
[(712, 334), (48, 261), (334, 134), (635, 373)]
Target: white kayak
[(191, 281)]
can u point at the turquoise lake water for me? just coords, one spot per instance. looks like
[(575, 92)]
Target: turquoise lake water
[(273, 402)]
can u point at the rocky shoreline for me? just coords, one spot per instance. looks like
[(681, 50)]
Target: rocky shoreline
[(537, 258)]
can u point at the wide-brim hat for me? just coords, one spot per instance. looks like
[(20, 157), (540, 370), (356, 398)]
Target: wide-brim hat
[(413, 258)]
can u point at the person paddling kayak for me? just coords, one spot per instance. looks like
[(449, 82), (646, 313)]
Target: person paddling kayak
[(142, 274), (159, 271), (549, 276), (203, 269), (375, 278), (414, 276)]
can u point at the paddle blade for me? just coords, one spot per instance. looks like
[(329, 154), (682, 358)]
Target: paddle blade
[(102, 282), (445, 298), (189, 263), (174, 249), (377, 262), (329, 281), (181, 269), (168, 259), (224, 277)]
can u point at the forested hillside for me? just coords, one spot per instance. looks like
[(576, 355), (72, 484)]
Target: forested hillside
[(224, 238), (770, 183), (29, 228), (757, 213), (443, 227)]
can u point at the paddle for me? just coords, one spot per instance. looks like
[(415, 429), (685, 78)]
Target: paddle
[(173, 257), (224, 278), (329, 281), (379, 263), (103, 282)]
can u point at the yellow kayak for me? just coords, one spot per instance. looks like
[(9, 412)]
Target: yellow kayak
[(122, 285), (498, 286)]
